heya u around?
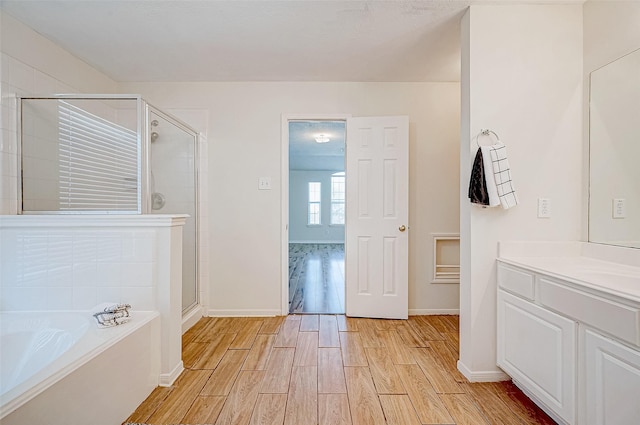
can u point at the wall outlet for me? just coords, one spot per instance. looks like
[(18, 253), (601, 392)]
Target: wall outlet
[(544, 208), (619, 208), (264, 183)]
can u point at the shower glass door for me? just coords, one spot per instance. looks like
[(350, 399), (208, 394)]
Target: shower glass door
[(172, 186)]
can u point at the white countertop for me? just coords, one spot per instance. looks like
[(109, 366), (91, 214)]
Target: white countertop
[(605, 276)]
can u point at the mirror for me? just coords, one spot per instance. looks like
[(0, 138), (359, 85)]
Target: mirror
[(614, 153)]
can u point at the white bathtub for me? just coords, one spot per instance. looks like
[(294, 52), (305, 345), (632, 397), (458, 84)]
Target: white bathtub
[(59, 368)]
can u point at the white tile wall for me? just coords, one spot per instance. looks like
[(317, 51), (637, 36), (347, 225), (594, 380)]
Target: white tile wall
[(58, 269), (31, 68)]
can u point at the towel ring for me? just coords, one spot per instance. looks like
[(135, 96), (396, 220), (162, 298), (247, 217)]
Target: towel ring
[(486, 132)]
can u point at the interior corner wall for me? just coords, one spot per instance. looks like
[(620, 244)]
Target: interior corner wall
[(522, 71), (245, 142)]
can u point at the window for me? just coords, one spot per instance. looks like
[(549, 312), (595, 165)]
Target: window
[(314, 203), (337, 198)]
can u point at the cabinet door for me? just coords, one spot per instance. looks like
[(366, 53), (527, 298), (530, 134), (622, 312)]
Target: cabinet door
[(537, 348), (612, 382)]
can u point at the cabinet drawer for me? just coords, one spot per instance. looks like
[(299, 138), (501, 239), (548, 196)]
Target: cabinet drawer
[(617, 319), (516, 281)]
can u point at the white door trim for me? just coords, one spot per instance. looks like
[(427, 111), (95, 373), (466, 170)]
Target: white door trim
[(284, 190)]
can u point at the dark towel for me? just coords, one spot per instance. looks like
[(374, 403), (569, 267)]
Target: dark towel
[(478, 185)]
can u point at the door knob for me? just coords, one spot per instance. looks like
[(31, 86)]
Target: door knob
[(402, 228)]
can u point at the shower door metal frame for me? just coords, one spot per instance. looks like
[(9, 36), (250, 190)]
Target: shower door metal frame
[(141, 135), (146, 202), (143, 110)]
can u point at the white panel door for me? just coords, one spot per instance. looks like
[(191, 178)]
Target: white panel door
[(377, 169), (612, 382)]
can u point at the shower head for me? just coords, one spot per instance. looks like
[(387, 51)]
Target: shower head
[(154, 136)]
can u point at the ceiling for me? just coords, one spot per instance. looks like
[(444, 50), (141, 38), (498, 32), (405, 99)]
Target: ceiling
[(306, 154), (260, 40)]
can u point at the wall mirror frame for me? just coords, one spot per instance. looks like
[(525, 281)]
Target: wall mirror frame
[(614, 152)]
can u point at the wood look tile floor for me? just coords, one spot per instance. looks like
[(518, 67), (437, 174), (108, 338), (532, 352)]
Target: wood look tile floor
[(330, 370), (316, 278)]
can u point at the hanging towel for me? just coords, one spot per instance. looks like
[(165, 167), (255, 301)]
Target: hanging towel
[(492, 189), (497, 157), (478, 185)]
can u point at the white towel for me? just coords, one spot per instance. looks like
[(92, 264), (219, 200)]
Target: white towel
[(492, 190), (502, 175)]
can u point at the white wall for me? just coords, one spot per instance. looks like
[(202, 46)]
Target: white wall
[(245, 143), (33, 65), (299, 230), (522, 78)]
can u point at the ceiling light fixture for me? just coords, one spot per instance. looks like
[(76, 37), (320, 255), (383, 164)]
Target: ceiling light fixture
[(322, 138)]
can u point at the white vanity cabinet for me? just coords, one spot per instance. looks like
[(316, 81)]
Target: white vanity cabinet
[(611, 381), (574, 349), (537, 348)]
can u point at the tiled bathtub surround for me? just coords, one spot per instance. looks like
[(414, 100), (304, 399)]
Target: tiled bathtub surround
[(75, 269), (74, 262)]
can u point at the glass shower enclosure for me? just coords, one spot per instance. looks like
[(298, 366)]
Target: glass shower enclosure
[(110, 154)]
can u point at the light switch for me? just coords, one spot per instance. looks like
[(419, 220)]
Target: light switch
[(544, 208), (264, 183), (619, 208)]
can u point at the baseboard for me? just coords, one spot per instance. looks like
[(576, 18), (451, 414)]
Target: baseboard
[(433, 311), (308, 242), (167, 379), (483, 375), (243, 313), (191, 317)]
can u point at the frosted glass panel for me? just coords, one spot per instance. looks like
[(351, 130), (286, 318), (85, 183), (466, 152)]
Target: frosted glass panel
[(173, 190)]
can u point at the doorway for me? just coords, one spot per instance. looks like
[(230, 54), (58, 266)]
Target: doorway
[(316, 212), (377, 214)]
